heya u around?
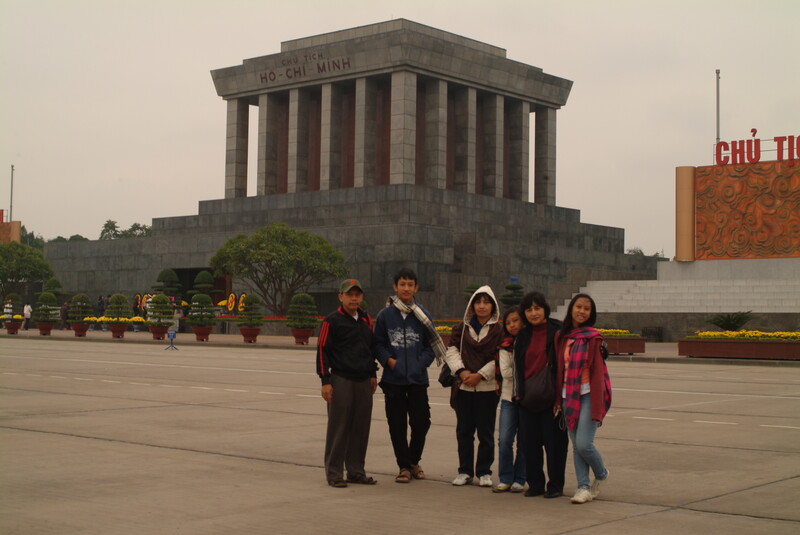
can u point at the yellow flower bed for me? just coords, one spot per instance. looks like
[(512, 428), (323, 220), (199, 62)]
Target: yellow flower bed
[(444, 329), (616, 332), (749, 335)]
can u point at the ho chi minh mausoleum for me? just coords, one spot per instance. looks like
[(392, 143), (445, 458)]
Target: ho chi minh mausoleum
[(402, 145)]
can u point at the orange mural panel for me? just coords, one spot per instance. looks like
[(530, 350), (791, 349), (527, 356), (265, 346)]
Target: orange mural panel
[(747, 211)]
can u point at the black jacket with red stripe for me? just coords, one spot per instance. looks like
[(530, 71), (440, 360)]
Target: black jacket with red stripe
[(345, 347)]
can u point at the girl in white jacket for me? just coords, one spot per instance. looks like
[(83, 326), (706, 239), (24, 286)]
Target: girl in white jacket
[(511, 470), (471, 357)]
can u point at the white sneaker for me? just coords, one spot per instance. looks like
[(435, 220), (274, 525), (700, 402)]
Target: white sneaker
[(486, 481), (516, 487), (595, 490), (462, 479), (582, 496), (501, 487)]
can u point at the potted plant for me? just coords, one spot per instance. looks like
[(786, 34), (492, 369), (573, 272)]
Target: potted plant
[(302, 317), (159, 315), (202, 316), (80, 309), (46, 313), (117, 315), (250, 318), (12, 317)]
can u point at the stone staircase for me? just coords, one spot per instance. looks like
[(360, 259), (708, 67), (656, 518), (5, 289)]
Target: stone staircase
[(711, 288)]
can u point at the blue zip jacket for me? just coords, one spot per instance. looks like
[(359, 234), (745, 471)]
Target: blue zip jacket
[(405, 340)]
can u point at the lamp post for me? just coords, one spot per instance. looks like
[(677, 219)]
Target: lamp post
[(11, 202)]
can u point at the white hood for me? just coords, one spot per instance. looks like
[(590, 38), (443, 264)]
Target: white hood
[(468, 313)]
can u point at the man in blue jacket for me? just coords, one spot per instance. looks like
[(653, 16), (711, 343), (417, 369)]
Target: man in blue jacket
[(406, 343)]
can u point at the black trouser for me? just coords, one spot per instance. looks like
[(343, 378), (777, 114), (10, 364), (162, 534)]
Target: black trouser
[(407, 406), (349, 418), (475, 411), (540, 430)]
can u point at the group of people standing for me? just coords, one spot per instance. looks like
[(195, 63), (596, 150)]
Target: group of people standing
[(490, 362)]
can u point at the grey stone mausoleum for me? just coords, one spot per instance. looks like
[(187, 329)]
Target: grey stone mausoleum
[(402, 145)]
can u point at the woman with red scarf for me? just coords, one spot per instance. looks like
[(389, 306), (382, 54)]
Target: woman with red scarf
[(585, 387)]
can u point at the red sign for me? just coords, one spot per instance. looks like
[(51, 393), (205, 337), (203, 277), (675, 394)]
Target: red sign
[(749, 150)]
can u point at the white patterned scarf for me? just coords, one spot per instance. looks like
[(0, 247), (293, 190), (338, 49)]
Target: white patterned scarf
[(436, 340)]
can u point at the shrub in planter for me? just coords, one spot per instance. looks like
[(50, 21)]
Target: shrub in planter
[(12, 316), (80, 308), (202, 316), (168, 283), (117, 315), (46, 312), (302, 317), (250, 318), (159, 315)]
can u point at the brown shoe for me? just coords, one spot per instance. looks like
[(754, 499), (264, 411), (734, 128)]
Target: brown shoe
[(416, 472), (403, 477)]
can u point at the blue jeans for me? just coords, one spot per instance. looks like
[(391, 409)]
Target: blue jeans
[(584, 454), (511, 471)]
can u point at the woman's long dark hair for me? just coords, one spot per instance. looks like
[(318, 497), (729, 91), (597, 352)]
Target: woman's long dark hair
[(568, 326)]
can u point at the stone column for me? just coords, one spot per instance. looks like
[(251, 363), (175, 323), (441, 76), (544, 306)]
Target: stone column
[(466, 117), (436, 133), (493, 129), (268, 132), (402, 151), (684, 214), (330, 167), (365, 132), (544, 170), (236, 148), (518, 117), (298, 141)]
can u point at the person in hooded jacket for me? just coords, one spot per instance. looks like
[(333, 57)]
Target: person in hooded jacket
[(471, 357)]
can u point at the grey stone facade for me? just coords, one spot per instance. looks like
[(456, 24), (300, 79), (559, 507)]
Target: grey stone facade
[(402, 145)]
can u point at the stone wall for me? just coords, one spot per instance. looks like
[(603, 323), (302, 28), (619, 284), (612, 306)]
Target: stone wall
[(449, 238)]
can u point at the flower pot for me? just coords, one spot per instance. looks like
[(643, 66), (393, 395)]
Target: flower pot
[(117, 329), (158, 331), (201, 332), (80, 329), (301, 336), (12, 327), (250, 334), (747, 349), (44, 327), (625, 344)]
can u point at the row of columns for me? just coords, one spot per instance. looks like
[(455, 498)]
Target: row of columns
[(505, 129)]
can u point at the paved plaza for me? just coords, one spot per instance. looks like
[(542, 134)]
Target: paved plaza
[(103, 436)]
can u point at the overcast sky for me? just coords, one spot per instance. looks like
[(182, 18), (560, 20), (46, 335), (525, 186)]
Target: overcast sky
[(108, 110)]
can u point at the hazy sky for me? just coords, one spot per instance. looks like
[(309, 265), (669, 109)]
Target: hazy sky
[(108, 110)]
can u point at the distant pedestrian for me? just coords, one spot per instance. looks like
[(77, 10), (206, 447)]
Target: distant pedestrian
[(63, 315), (27, 312)]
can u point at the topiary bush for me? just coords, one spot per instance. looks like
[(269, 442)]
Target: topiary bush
[(119, 308), (251, 313), (80, 307), (160, 311), (202, 312), (47, 310), (302, 312)]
